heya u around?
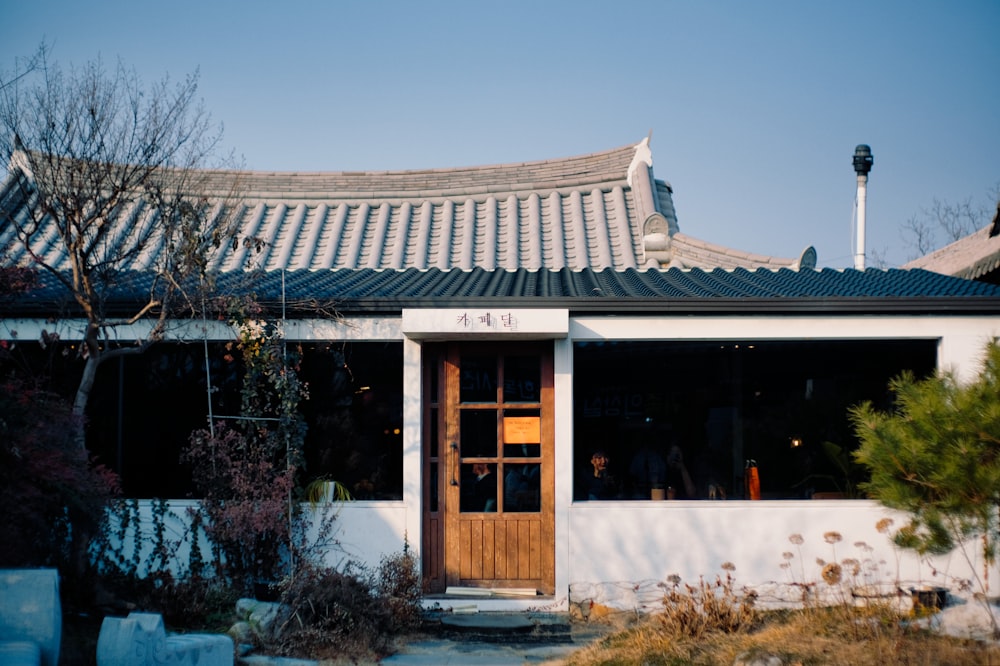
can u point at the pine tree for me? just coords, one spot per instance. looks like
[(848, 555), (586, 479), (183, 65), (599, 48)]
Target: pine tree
[(936, 456)]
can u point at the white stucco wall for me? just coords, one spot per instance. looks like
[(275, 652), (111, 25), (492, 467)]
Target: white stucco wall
[(361, 532), (618, 552)]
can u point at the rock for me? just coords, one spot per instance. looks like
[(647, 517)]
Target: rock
[(752, 659), (241, 632), (261, 615)]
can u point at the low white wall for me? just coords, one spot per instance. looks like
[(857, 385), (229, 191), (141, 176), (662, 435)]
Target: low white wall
[(360, 532), (620, 554), (132, 539)]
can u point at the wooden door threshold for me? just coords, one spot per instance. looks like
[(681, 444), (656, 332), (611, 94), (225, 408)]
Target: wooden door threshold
[(490, 592)]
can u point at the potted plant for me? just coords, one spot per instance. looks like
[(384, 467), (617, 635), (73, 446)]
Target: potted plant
[(324, 491)]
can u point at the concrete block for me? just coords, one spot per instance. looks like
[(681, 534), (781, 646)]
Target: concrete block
[(30, 612), (141, 640), (20, 653)]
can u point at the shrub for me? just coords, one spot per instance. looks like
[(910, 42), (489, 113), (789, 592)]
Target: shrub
[(186, 604), (245, 500), (355, 612), (51, 491)]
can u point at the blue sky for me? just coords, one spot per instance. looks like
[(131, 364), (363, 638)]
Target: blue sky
[(755, 108)]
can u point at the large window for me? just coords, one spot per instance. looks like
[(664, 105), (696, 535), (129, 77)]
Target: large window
[(689, 415), (144, 408)]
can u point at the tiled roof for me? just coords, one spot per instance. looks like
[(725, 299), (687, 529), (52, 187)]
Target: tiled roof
[(595, 211), (691, 252), (973, 257), (805, 291)]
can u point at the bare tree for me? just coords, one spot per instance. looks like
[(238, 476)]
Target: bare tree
[(108, 192), (947, 220)]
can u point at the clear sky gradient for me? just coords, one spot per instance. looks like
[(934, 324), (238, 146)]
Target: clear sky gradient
[(755, 107)]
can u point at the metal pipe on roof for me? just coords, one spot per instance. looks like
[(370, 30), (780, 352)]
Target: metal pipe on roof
[(862, 165)]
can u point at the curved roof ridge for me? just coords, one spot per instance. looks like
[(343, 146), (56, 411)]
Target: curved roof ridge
[(602, 167), (690, 252)]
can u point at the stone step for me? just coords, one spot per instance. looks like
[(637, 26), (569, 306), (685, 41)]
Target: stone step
[(500, 627)]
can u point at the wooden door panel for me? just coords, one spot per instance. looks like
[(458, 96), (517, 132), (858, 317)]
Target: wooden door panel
[(434, 552), (500, 559), (508, 542), (501, 550), (489, 542)]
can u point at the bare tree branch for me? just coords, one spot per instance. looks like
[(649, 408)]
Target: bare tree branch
[(952, 220), (108, 178)]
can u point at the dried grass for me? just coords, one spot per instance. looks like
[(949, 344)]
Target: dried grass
[(716, 623), (841, 635)]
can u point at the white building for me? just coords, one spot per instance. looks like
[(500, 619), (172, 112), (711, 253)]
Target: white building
[(521, 317)]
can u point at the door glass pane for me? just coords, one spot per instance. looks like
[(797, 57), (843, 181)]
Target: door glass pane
[(522, 487), (479, 433), (479, 488), (432, 444), (522, 433), (522, 450), (432, 488), (434, 361), (478, 379), (522, 379)]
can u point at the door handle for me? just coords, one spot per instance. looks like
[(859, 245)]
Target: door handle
[(455, 463)]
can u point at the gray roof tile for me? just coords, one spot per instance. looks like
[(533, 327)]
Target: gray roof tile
[(584, 212), (671, 290)]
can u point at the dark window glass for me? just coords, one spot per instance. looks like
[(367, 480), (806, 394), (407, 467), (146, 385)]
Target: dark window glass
[(522, 487), (687, 416), (432, 487), (478, 379), (354, 414), (522, 379), (432, 443), (479, 433), (433, 365), (479, 488)]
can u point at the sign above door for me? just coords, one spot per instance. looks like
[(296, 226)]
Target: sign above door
[(486, 324)]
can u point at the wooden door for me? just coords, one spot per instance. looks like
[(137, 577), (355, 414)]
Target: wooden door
[(488, 469)]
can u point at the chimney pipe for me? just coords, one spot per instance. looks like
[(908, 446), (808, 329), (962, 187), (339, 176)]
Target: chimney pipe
[(862, 165)]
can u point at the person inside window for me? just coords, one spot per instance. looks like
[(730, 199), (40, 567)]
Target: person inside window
[(486, 488), (678, 479), (597, 482)]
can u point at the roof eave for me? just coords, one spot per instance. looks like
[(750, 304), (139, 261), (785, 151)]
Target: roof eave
[(684, 306)]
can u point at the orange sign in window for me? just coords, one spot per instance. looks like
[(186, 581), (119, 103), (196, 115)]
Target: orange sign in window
[(522, 429)]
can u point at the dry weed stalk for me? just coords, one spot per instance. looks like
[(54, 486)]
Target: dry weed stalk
[(696, 610)]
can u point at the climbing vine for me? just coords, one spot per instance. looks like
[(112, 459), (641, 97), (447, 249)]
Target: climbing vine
[(244, 465)]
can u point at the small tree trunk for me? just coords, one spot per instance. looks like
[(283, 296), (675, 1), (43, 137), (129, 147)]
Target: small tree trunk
[(82, 397)]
